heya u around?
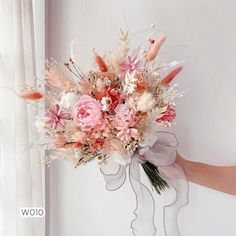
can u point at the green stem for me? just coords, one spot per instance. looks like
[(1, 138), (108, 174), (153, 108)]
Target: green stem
[(153, 175)]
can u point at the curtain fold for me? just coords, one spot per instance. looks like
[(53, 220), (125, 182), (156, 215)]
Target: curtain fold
[(21, 173)]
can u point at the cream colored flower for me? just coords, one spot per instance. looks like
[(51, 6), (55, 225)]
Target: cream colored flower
[(68, 100), (145, 102), (129, 83), (114, 148), (106, 101)]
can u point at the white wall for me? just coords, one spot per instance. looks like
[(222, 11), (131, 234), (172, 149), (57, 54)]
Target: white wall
[(206, 127)]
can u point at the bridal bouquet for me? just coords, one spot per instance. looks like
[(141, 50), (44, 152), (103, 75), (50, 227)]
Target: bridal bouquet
[(112, 113)]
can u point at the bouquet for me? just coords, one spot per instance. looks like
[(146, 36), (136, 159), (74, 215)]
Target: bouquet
[(112, 113)]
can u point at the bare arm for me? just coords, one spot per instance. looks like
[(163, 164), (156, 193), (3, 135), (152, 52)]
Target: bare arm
[(221, 178)]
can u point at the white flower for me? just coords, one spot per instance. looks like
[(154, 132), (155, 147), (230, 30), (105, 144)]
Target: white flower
[(129, 84), (105, 103), (68, 100), (145, 102)]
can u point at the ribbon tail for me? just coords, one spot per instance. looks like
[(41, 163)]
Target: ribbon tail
[(143, 224), (175, 176), (114, 175)]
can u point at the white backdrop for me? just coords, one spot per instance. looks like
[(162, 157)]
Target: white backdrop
[(203, 34)]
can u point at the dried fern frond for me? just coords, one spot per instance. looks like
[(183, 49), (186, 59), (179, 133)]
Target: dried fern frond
[(124, 42)]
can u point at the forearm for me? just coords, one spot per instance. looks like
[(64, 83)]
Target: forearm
[(221, 178)]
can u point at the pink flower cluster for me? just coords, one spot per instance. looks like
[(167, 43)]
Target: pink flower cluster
[(106, 111)]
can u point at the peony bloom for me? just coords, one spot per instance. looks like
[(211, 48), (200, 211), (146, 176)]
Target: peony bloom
[(114, 148), (57, 117), (127, 134), (87, 113), (68, 100), (145, 102), (131, 64), (124, 115), (169, 115)]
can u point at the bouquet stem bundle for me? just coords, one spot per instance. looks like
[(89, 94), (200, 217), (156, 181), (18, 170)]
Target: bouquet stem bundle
[(153, 175)]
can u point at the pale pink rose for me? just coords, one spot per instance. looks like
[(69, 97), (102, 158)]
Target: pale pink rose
[(87, 112), (114, 148), (124, 115)]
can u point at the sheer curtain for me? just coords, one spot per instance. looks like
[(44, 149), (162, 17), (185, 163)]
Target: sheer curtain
[(21, 59)]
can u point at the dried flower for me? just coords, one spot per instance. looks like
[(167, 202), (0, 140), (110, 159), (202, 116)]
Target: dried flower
[(56, 76), (129, 83), (106, 101), (155, 48), (145, 102), (124, 42), (97, 144), (57, 117), (124, 115), (116, 98), (131, 64), (168, 78), (79, 136), (31, 95), (85, 87), (100, 62), (141, 84), (126, 134), (169, 115), (59, 140)]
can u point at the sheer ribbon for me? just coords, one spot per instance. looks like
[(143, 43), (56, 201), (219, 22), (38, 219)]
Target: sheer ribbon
[(162, 154)]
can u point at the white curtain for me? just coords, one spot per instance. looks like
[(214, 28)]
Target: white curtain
[(21, 173)]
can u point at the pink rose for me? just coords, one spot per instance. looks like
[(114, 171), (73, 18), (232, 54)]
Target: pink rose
[(87, 112), (124, 115)]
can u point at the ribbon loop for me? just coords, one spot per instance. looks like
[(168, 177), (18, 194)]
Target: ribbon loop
[(114, 174), (162, 154)]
